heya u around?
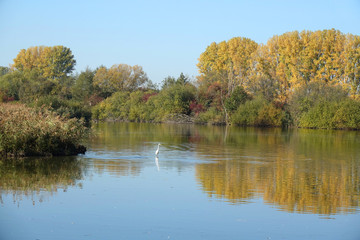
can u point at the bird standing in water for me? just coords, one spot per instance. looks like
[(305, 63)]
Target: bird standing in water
[(157, 151)]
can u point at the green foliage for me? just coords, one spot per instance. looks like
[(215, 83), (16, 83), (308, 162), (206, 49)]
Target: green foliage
[(83, 87), (289, 81), (112, 108), (64, 107), (167, 82), (182, 79), (34, 86), (319, 116), (176, 98), (23, 177), (324, 106), (347, 114), (26, 131), (170, 81), (330, 115), (258, 112), (237, 97), (142, 106), (11, 83), (4, 70), (265, 86), (270, 116), (120, 77), (246, 114), (211, 116), (311, 100)]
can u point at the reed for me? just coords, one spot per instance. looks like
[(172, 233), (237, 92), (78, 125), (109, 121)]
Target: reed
[(28, 131)]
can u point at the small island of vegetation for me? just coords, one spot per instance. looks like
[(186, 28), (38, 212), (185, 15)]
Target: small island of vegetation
[(38, 132), (308, 79)]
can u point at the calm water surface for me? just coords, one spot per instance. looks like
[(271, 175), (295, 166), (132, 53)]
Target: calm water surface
[(207, 183)]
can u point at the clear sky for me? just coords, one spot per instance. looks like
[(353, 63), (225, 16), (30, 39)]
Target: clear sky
[(164, 37)]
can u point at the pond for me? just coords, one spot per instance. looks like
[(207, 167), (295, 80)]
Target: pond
[(207, 182)]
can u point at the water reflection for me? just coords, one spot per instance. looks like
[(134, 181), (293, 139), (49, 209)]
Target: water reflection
[(310, 171), (39, 178), (297, 171), (284, 184), (117, 167), (157, 163)]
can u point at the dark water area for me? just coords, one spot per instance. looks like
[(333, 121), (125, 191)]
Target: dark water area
[(206, 183)]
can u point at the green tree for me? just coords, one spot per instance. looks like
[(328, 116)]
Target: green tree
[(182, 79), (83, 87), (119, 77), (10, 84), (167, 82), (313, 98), (4, 70), (237, 97)]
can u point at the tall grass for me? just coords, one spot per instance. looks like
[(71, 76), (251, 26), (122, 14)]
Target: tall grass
[(27, 131)]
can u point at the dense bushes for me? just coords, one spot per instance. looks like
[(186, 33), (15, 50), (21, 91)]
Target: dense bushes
[(26, 131), (311, 106), (146, 106), (211, 116), (323, 106), (258, 112), (240, 83), (344, 115), (64, 107)]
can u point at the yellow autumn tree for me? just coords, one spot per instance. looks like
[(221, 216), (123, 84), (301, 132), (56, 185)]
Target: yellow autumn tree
[(351, 58), (50, 62), (285, 63), (231, 60)]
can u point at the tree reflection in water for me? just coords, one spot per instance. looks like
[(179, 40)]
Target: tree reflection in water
[(307, 172), (39, 178), (296, 170)]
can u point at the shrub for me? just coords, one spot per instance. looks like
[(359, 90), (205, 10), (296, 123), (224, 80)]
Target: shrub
[(314, 95), (270, 116), (236, 98), (27, 132), (115, 107), (211, 116), (176, 98), (247, 113), (258, 112), (344, 114), (319, 116), (348, 115), (64, 107)]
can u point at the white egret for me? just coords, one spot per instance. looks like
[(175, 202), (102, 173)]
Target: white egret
[(157, 151)]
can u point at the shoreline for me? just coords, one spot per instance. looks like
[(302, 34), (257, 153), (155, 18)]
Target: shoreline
[(193, 122)]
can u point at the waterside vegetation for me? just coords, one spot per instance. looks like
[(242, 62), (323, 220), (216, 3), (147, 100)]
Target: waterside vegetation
[(308, 79), (302, 79), (28, 131)]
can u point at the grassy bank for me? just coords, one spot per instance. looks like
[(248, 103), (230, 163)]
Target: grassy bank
[(27, 131)]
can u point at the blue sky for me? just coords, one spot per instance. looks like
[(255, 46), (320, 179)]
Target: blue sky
[(164, 37)]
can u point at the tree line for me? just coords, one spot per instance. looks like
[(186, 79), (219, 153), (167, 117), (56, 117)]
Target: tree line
[(304, 79)]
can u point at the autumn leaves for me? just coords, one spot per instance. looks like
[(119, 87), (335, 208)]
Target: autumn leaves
[(285, 62)]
